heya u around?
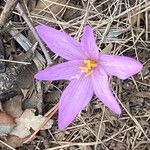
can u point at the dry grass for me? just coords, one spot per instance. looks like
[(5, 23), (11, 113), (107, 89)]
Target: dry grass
[(123, 24)]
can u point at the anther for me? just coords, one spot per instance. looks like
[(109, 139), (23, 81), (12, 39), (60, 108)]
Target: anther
[(88, 66)]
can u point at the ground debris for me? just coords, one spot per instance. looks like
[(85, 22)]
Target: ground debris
[(120, 27)]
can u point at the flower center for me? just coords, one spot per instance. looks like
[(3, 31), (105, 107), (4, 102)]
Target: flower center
[(88, 66)]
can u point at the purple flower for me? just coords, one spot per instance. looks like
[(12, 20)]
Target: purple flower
[(86, 69)]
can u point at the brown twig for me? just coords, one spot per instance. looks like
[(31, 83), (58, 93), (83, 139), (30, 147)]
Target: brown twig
[(51, 110), (28, 21), (143, 94), (7, 11), (10, 147), (48, 115), (26, 45)]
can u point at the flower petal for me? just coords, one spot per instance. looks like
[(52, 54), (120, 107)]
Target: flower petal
[(103, 91), (60, 43), (64, 71), (88, 43), (75, 97), (121, 66)]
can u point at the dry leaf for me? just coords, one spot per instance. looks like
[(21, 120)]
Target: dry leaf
[(13, 141), (14, 106), (107, 49), (28, 121), (6, 123), (24, 92)]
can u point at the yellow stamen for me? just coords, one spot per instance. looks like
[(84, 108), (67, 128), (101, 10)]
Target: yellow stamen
[(88, 66), (83, 68), (89, 73)]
